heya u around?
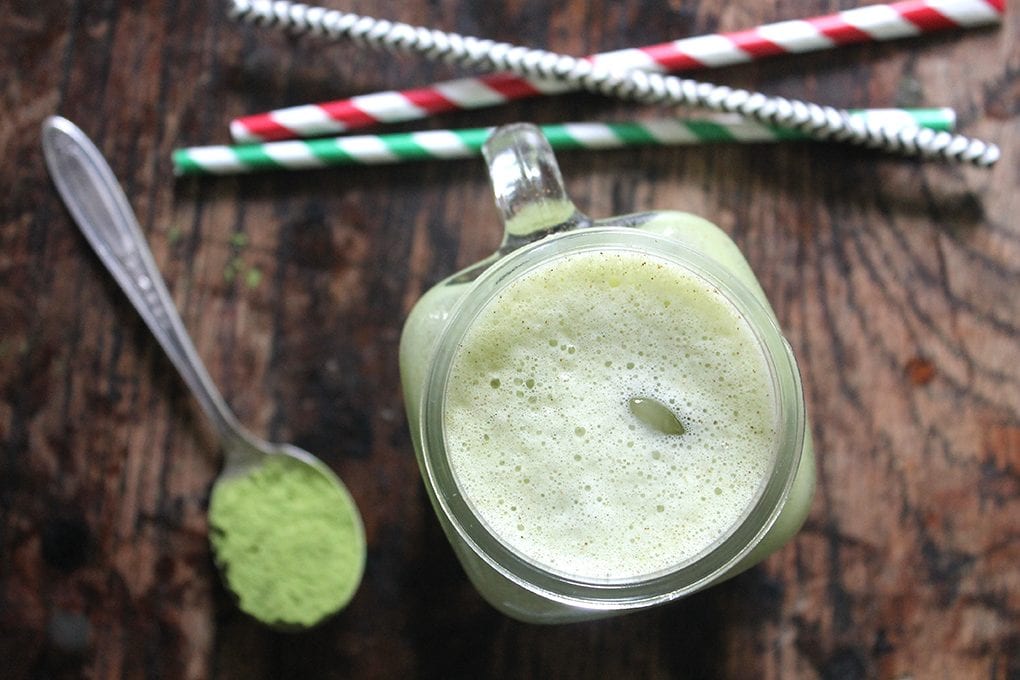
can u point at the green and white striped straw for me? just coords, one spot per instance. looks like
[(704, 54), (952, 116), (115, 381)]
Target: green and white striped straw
[(448, 144)]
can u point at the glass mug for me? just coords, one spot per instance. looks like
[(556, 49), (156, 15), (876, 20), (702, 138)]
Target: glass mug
[(605, 412)]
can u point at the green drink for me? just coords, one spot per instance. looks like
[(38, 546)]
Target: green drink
[(608, 417), (539, 432)]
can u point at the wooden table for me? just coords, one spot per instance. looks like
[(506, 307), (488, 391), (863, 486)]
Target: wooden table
[(896, 282)]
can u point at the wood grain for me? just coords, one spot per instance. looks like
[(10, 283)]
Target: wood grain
[(896, 283)]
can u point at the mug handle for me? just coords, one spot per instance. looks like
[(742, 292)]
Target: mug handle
[(528, 186)]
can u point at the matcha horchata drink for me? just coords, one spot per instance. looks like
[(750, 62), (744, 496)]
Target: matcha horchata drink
[(609, 415), (606, 414)]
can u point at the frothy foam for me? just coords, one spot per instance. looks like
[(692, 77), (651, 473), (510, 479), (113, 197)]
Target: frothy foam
[(542, 441)]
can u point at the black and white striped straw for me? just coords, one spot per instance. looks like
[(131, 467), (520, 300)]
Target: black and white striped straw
[(816, 121)]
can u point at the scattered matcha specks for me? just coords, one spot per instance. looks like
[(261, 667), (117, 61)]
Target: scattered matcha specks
[(253, 277), (234, 266)]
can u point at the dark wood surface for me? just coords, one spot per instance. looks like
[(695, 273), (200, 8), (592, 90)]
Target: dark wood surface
[(897, 284)]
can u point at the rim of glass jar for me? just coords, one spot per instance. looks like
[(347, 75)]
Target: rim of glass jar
[(699, 570)]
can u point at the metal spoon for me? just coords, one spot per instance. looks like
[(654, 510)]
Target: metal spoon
[(97, 203)]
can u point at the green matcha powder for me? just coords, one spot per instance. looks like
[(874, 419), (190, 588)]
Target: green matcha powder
[(289, 542)]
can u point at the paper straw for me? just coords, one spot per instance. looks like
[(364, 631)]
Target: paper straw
[(816, 121), (872, 23), (448, 144)]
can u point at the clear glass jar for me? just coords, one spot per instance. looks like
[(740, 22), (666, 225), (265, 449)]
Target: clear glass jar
[(541, 226)]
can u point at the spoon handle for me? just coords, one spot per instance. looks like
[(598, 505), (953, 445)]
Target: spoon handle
[(98, 205)]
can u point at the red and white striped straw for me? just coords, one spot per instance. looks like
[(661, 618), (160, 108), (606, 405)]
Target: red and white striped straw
[(903, 19)]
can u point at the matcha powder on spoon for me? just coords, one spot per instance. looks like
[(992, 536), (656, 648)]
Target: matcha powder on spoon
[(289, 542)]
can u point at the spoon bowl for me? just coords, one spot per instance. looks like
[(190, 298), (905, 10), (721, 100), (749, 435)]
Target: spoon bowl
[(291, 544)]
